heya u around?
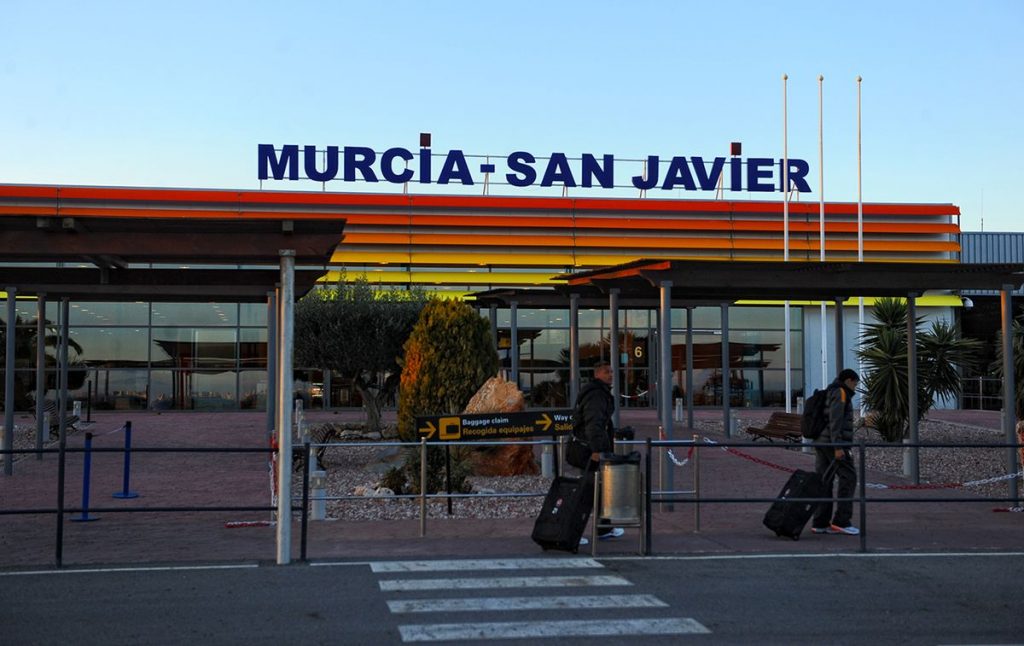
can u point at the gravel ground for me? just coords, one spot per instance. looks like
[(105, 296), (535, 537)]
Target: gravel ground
[(356, 471), (353, 471)]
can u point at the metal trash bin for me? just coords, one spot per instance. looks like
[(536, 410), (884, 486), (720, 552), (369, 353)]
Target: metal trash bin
[(624, 434), (620, 495)]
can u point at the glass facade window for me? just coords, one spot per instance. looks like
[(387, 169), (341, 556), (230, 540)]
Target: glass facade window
[(113, 389), (193, 347), (108, 314), (195, 314), (543, 318), (214, 356), (252, 348), (252, 387), (113, 347), (254, 314), (590, 318), (191, 390)]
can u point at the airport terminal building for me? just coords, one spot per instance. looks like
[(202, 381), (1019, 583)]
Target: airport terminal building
[(213, 355)]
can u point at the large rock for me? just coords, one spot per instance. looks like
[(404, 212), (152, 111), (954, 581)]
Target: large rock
[(498, 395), (508, 460)]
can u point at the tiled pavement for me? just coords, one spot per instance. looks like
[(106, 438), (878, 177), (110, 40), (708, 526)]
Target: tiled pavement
[(197, 479)]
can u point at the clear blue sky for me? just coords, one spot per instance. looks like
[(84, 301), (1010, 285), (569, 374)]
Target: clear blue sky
[(180, 93)]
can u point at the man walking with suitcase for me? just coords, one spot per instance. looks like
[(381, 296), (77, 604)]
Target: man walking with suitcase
[(595, 407), (839, 429)]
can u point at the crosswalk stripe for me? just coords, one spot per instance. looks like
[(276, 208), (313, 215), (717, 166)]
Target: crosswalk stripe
[(535, 629), (400, 585), (490, 564), (527, 603)]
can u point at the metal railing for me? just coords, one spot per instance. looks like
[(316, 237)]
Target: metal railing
[(981, 393), (651, 495)]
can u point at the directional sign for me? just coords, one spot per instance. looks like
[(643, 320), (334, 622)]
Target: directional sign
[(492, 426)]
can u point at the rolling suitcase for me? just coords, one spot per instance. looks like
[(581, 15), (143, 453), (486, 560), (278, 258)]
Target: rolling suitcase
[(564, 514), (788, 516)]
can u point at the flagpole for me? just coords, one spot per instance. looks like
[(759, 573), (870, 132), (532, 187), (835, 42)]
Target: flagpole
[(785, 236), (860, 240), (821, 226)]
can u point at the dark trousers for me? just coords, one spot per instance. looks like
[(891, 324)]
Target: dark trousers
[(846, 474)]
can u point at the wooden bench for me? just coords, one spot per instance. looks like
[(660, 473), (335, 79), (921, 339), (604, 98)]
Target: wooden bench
[(50, 410), (780, 426)]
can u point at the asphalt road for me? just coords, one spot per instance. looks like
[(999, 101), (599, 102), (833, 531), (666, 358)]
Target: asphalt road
[(826, 599)]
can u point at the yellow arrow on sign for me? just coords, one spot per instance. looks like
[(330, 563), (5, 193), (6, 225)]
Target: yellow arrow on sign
[(429, 430), (544, 423)]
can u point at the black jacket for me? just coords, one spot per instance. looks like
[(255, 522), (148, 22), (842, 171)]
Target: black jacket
[(593, 416), (840, 414)]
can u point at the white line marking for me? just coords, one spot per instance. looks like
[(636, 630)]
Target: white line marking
[(481, 564), (828, 555), (169, 568), (527, 603), (404, 585), (535, 629)]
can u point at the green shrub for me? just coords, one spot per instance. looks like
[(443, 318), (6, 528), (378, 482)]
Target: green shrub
[(448, 356)]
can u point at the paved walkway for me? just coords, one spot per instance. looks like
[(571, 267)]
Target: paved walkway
[(202, 478)]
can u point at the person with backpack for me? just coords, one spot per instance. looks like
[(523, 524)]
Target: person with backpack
[(839, 428), (594, 409)]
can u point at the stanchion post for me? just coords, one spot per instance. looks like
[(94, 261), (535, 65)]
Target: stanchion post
[(423, 487), (86, 472), (88, 404), (125, 490), (861, 475), (305, 500), (696, 482), (647, 501), (661, 467)]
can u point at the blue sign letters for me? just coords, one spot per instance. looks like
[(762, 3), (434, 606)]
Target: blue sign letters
[(400, 165)]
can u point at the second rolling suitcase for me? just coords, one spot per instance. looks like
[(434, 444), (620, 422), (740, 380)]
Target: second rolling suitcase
[(564, 514), (788, 516)]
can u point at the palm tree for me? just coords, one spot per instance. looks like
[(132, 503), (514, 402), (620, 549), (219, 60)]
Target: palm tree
[(1017, 341), (941, 355)]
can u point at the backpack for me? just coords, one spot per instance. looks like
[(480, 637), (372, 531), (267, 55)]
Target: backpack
[(815, 416)]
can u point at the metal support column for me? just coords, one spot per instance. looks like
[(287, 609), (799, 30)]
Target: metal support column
[(513, 348), (8, 438), (41, 429), (285, 337), (272, 316), (574, 347), (689, 368), (613, 350), (911, 465), (1009, 390), (840, 340), (493, 311), (326, 389), (665, 369), (726, 374), (62, 366)]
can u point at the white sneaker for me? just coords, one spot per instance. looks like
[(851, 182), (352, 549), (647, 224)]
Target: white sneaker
[(614, 532), (584, 541), (849, 530)]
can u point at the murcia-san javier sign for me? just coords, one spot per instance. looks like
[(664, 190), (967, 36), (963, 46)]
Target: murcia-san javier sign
[(522, 169)]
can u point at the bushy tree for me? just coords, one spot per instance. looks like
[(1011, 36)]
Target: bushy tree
[(941, 354), (357, 331), (448, 356)]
